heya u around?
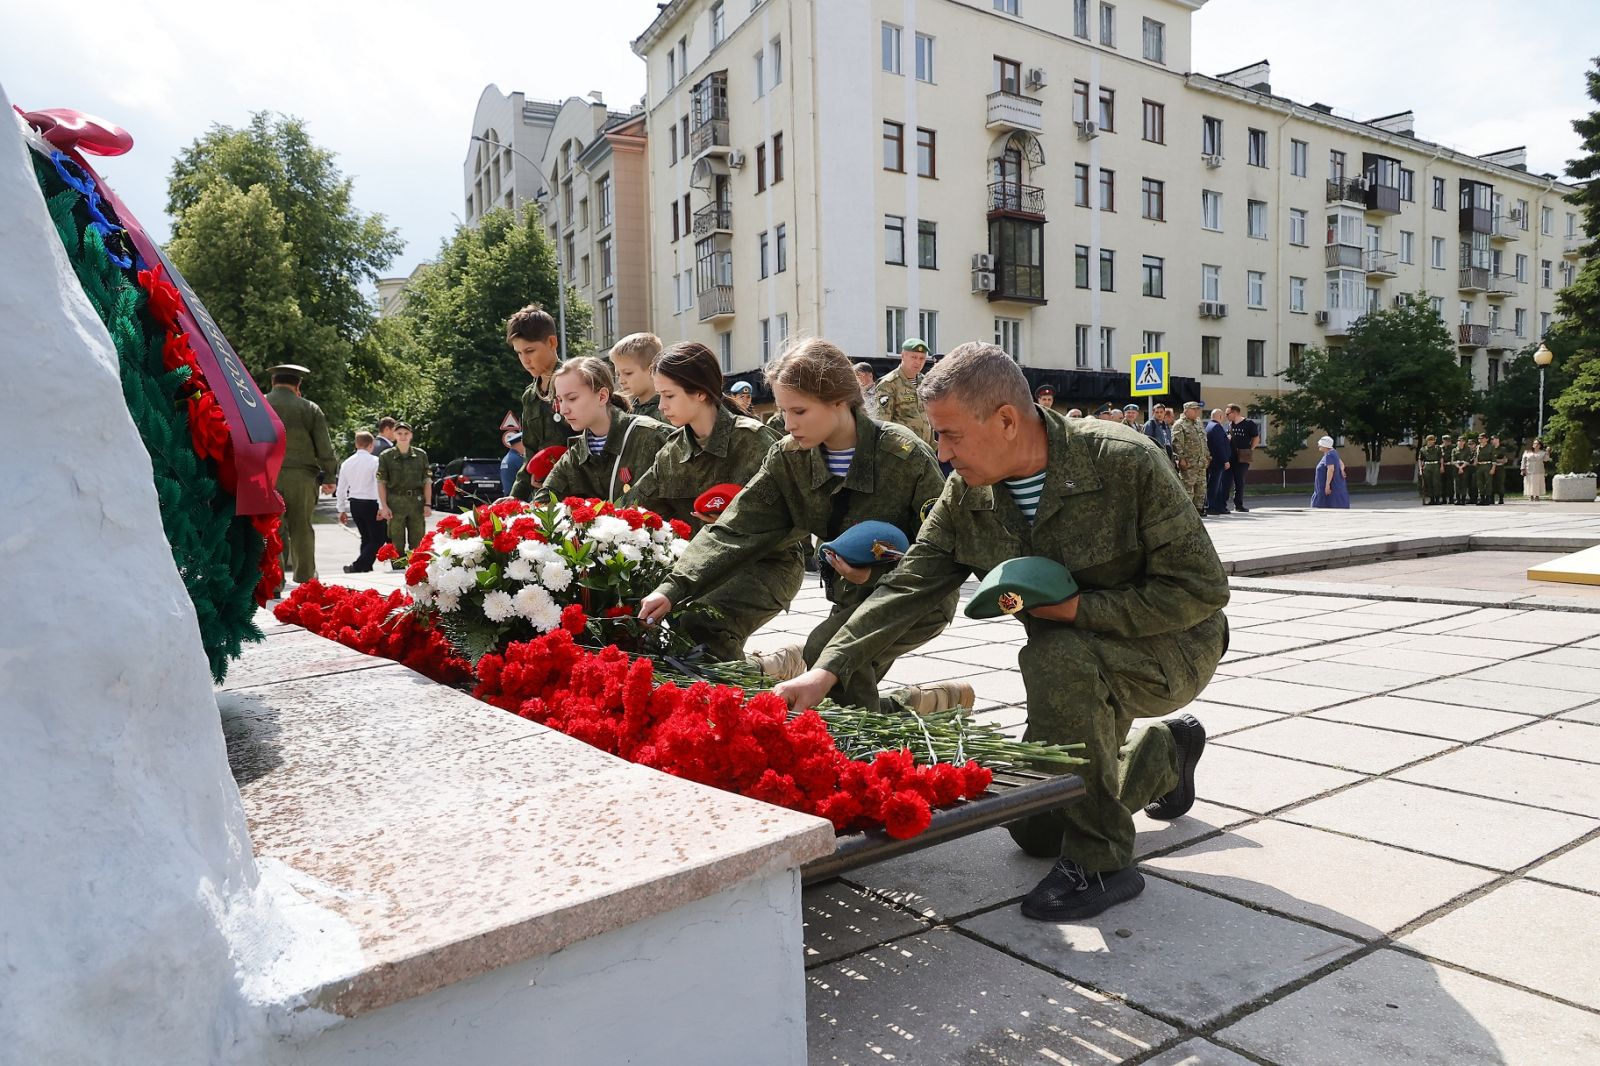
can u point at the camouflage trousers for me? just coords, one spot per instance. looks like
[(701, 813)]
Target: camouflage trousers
[(860, 689), (1194, 480), (1089, 688), (745, 602)]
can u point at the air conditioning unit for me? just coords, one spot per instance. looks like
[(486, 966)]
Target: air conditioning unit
[(736, 158), (1321, 318), (982, 281), (1212, 161), (1212, 309), (983, 261), (1036, 78), (1516, 215), (1087, 130)]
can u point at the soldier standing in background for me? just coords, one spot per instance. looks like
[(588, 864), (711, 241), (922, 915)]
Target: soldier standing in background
[(1483, 483), (307, 454), (405, 492), (1466, 459), (1504, 452), (1191, 451), (1428, 462), (895, 397), (1447, 469)]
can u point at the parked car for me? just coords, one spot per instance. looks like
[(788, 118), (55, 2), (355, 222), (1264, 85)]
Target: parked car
[(478, 479)]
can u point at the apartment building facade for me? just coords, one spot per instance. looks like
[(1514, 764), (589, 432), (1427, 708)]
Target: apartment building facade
[(1050, 176), (505, 176)]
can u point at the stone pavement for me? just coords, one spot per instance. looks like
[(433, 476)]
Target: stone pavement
[(1396, 855)]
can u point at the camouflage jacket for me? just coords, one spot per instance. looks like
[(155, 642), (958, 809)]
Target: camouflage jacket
[(686, 467), (632, 443), (405, 473), (542, 426), (1189, 444), (650, 408), (305, 433), (894, 399)]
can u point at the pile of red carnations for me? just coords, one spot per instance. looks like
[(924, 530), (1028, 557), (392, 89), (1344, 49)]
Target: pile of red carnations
[(711, 734)]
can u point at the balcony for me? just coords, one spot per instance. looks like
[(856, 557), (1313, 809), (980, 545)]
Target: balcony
[(1379, 264), (1383, 200), (1572, 245), (716, 303), (708, 111), (1337, 323), (1474, 279), (709, 138), (1348, 191), (1345, 255), (1502, 285), (1470, 335), (1012, 111), (1503, 338), (1506, 228), (713, 218), (1016, 199)]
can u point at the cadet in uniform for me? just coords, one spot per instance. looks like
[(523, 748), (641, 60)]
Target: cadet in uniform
[(715, 446), (1483, 482), (1192, 452), (307, 452), (1504, 453), (631, 359), (1466, 460), (405, 492), (612, 448), (1428, 469), (531, 332), (836, 468), (1447, 469), (1141, 639), (895, 398)]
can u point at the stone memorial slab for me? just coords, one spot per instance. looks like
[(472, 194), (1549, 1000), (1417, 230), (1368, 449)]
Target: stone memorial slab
[(297, 654), (1185, 955)]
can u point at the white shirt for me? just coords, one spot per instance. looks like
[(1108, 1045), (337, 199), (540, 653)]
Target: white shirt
[(358, 479)]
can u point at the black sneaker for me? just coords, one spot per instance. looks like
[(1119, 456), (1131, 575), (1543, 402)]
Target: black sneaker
[(1069, 893), (1190, 737)]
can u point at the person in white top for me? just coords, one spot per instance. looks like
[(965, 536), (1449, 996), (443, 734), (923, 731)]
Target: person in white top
[(357, 498)]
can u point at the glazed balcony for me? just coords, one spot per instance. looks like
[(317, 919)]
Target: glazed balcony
[(1572, 245), (1383, 200), (1345, 255)]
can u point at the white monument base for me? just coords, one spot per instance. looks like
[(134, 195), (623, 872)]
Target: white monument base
[(1572, 488)]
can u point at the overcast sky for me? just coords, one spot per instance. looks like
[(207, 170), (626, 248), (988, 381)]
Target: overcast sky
[(391, 87)]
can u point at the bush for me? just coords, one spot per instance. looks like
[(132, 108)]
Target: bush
[(1576, 455)]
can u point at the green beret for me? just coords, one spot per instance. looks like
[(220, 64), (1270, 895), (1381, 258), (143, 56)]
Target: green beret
[(1021, 584)]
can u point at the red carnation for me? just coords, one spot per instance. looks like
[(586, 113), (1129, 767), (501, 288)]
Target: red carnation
[(975, 780), (506, 541), (681, 529), (652, 521), (449, 487), (905, 814), (573, 620), (448, 523), (387, 552)]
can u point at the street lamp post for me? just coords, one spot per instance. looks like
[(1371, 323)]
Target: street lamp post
[(1544, 357), (561, 278)]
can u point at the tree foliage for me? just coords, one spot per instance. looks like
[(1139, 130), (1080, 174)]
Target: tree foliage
[(265, 228), (1511, 407), (456, 309), (1575, 338)]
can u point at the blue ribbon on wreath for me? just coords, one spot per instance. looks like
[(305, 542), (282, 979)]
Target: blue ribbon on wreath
[(112, 234)]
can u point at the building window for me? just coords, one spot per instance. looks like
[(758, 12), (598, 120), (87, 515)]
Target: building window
[(1255, 358), (1108, 270), (1008, 335), (1155, 41), (1335, 165), (1436, 305), (761, 167), (725, 351), (1466, 312), (607, 271), (672, 67), (1408, 185), (718, 24), (1155, 122), (1210, 283), (1520, 319), (1408, 247), (1080, 347), (1080, 101), (1297, 295), (1018, 247), (927, 155), (891, 48), (1007, 75), (1211, 210), (676, 233), (1522, 268), (1108, 346), (672, 145), (894, 240), (894, 146), (1436, 253), (761, 256), (1153, 199), (924, 61), (1298, 153), (1256, 288), (1522, 215), (761, 76), (1108, 25), (1154, 341), (1153, 269), (1108, 190), (1544, 323), (783, 326), (766, 339), (1108, 110), (608, 322), (1210, 135), (927, 246), (1080, 265), (894, 329), (777, 158), (1544, 273), (1210, 355), (1297, 352), (1297, 226), (1257, 148), (1080, 184), (776, 50), (1080, 18), (1438, 194), (605, 200), (1256, 218), (583, 271), (1572, 224), (781, 235), (1007, 7), (1547, 221), (928, 329)]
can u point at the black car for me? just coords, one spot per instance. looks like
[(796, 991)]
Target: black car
[(476, 481)]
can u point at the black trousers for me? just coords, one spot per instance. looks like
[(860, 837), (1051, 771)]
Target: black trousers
[(1237, 472), (374, 534)]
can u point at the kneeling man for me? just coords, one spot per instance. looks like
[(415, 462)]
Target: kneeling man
[(1139, 640)]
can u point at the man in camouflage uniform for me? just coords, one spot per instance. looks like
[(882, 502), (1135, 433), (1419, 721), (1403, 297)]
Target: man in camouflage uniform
[(1505, 453), (1483, 482), (1466, 461), (307, 453), (405, 492), (895, 398), (1192, 453), (1447, 469), (1141, 638), (1428, 459)]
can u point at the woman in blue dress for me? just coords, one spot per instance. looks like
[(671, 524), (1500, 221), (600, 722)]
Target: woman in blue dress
[(1328, 487)]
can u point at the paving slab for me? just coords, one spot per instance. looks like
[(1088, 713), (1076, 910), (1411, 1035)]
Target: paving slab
[(1566, 740), (1578, 868), (1538, 780), (1263, 643), (1308, 630), (1174, 951), (1002, 686), (1539, 936), (925, 669), (1411, 611), (1321, 877), (982, 656), (1261, 783), (1488, 832), (1332, 674), (1250, 665), (841, 920), (1264, 695), (1390, 1007), (1347, 747), (1590, 714), (1573, 656), (1542, 675), (941, 998), (1421, 716), (1411, 659), (1493, 696), (1404, 642), (1221, 719), (1198, 1052)]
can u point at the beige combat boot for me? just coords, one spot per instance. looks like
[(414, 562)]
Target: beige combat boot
[(780, 664), (936, 696)]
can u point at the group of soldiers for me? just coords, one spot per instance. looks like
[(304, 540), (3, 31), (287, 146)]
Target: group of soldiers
[(1471, 470)]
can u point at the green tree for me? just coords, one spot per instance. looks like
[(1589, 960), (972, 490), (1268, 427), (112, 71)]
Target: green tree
[(1575, 338), (457, 308), (1511, 407), (319, 249), (1288, 439), (1395, 376)]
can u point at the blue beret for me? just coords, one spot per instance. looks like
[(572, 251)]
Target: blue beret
[(869, 544)]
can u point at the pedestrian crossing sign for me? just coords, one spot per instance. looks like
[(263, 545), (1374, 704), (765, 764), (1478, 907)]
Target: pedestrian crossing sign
[(1148, 375)]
